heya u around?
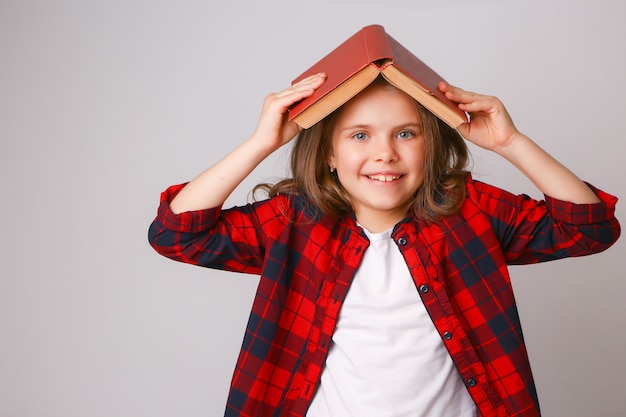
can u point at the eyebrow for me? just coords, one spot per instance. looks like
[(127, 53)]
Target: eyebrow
[(366, 126)]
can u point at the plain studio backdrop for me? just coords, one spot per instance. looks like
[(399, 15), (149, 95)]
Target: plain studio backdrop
[(103, 104)]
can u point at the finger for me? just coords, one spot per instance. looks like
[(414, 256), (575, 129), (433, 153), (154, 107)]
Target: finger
[(307, 85), (312, 79), (449, 89), (460, 96), (286, 98), (282, 100), (482, 104)]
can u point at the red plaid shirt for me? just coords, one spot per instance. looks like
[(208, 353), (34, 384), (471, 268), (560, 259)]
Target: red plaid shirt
[(306, 263)]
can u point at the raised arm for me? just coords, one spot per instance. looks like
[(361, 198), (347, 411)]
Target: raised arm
[(491, 128), (212, 187)]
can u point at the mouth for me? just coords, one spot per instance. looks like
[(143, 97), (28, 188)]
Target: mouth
[(384, 177)]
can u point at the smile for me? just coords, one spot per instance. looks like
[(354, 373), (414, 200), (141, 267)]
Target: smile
[(383, 178)]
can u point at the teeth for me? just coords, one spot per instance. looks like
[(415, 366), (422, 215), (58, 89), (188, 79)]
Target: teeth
[(383, 178)]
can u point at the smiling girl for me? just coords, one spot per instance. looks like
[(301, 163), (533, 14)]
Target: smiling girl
[(383, 284)]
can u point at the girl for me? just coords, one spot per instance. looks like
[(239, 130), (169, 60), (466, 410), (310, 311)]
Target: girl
[(384, 289)]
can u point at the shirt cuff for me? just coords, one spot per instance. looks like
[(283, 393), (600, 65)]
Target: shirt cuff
[(584, 213), (186, 222)]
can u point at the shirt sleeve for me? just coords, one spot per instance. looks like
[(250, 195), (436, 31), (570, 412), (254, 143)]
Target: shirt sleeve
[(532, 231), (230, 239)]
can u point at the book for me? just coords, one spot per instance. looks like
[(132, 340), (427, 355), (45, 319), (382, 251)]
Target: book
[(357, 62)]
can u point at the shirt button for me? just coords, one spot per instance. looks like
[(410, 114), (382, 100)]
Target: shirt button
[(424, 288), (471, 382), (402, 241), (447, 335)]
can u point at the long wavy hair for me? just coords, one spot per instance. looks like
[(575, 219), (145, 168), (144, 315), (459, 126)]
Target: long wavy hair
[(445, 164)]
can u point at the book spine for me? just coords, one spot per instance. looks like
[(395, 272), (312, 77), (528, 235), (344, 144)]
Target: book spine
[(360, 50), (377, 46)]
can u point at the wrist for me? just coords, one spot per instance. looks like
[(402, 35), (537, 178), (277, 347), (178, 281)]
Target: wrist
[(513, 146), (259, 145)]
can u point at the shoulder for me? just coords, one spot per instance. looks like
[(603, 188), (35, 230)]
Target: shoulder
[(490, 198), (477, 189), (285, 208)]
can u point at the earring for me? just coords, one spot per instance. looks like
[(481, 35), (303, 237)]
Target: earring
[(332, 169)]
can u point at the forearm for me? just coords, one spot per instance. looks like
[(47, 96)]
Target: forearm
[(212, 187), (491, 128), (548, 175)]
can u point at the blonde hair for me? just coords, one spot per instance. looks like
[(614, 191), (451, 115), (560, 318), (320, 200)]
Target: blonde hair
[(441, 194)]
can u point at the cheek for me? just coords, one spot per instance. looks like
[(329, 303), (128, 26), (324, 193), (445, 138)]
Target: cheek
[(345, 157), (417, 156), (350, 164), (421, 162)]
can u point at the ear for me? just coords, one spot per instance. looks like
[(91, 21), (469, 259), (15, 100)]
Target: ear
[(332, 161)]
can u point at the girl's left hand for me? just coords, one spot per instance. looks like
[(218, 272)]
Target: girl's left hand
[(491, 126)]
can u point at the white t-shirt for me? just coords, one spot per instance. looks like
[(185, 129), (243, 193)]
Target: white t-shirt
[(386, 358)]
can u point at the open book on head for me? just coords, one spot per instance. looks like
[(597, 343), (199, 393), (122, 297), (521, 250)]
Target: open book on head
[(357, 62)]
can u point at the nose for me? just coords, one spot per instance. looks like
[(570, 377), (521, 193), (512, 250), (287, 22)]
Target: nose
[(384, 150)]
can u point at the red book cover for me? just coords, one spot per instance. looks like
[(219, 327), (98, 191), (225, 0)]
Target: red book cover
[(421, 73), (366, 47)]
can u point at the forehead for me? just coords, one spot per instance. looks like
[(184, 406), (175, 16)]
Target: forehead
[(379, 103)]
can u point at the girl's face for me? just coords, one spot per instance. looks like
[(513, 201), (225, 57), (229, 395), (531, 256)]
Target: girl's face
[(378, 152)]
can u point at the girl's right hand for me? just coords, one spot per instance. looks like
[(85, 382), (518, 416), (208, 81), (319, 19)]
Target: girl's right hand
[(273, 128), (213, 186)]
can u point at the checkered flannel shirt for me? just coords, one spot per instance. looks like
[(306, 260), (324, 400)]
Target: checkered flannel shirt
[(459, 265)]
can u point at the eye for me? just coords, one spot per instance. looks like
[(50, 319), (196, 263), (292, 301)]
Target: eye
[(359, 136), (405, 134)]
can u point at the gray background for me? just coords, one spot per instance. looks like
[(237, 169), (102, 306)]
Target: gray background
[(105, 103)]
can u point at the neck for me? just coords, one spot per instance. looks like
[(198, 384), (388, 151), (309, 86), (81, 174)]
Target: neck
[(377, 222)]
